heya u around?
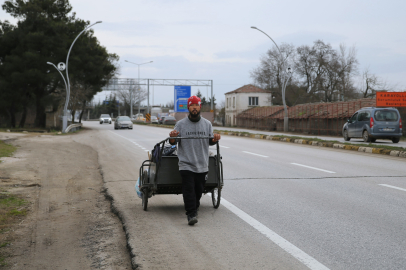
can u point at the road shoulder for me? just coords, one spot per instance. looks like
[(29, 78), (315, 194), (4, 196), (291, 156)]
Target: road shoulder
[(69, 224)]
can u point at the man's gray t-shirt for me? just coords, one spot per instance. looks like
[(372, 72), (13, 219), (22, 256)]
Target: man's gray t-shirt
[(193, 154)]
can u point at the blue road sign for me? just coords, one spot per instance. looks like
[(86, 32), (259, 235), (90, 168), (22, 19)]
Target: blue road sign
[(182, 94)]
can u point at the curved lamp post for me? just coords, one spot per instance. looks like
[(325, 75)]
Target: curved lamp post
[(286, 74), (67, 84), (139, 89)]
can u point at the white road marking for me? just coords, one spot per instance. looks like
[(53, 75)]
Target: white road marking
[(224, 146), (299, 254), (129, 140), (312, 168), (254, 154), (389, 186)]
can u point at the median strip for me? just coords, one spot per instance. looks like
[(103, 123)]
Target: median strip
[(374, 149)]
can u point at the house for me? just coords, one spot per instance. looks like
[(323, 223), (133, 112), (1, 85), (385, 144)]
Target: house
[(244, 98)]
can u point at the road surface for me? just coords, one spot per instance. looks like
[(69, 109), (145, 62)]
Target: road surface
[(284, 206)]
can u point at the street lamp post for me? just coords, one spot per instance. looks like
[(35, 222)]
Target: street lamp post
[(139, 89), (62, 67), (286, 74)]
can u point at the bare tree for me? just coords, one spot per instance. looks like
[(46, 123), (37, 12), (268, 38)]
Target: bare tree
[(372, 83), (268, 74), (138, 95)]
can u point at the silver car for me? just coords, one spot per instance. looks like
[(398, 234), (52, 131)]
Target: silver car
[(154, 120), (123, 122), (105, 118), (372, 123)]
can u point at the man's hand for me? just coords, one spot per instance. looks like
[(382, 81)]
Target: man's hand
[(216, 137), (173, 133)]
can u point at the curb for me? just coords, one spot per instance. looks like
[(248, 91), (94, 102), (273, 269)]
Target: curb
[(372, 150)]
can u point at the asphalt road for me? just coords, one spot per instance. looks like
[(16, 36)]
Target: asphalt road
[(284, 206), (330, 138)]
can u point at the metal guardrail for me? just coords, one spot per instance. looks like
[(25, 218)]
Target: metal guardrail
[(73, 127)]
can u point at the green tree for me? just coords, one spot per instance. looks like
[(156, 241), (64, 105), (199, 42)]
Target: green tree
[(44, 33)]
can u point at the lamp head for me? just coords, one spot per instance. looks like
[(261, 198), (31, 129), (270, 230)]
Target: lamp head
[(49, 63), (99, 22), (253, 27)]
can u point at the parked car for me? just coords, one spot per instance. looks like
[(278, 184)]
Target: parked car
[(123, 122), (154, 120), (372, 123), (169, 120), (105, 118), (160, 121)]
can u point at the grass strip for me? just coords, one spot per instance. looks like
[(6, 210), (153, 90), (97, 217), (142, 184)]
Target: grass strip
[(6, 150)]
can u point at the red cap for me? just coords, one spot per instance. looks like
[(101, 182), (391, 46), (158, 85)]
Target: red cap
[(194, 100)]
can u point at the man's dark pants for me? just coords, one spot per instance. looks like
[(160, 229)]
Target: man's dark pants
[(192, 189)]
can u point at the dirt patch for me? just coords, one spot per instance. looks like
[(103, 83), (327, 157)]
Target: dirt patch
[(68, 222)]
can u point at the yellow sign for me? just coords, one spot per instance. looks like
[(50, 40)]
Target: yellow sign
[(148, 117), (391, 99), (211, 110)]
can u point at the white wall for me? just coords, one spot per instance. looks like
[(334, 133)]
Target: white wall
[(242, 103)]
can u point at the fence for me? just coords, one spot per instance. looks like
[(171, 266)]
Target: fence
[(313, 118)]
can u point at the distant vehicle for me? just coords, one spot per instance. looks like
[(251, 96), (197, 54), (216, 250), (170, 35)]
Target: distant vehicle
[(154, 120), (160, 120), (156, 111), (123, 122), (169, 120), (372, 123), (105, 118), (139, 117)]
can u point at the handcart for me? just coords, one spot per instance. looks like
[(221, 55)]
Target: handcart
[(160, 174)]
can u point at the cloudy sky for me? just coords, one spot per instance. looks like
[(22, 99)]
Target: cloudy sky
[(212, 39)]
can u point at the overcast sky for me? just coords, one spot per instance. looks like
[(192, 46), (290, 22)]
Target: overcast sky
[(213, 40)]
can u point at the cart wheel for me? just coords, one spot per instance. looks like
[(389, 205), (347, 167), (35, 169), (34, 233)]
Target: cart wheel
[(144, 200), (215, 197)]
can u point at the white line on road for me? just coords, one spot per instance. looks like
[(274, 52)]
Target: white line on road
[(389, 186), (274, 237), (254, 154), (224, 146), (312, 168)]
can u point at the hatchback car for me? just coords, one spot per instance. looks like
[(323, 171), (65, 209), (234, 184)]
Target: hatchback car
[(123, 122), (374, 123), (105, 118), (169, 120)]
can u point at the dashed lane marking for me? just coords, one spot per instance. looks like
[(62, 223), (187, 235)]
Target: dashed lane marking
[(297, 164), (389, 186), (254, 154)]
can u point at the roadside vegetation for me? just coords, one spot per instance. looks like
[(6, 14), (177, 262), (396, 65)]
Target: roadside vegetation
[(6, 150), (12, 207)]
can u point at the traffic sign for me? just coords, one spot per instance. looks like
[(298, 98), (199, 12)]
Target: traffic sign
[(391, 99), (182, 94), (148, 117)]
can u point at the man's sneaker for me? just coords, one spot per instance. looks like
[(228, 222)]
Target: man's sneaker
[(191, 220)]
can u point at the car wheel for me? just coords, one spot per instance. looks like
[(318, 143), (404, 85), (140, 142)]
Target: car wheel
[(101, 123), (109, 122), (365, 136), (395, 140), (346, 138), (373, 140)]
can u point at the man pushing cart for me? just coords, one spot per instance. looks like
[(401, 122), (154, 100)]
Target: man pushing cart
[(193, 155)]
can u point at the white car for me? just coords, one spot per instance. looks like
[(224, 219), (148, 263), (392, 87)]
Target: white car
[(105, 118), (154, 120)]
